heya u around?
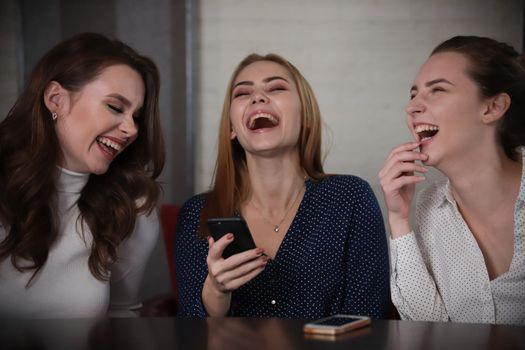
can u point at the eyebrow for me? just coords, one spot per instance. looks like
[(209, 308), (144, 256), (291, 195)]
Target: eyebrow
[(265, 80), (432, 82)]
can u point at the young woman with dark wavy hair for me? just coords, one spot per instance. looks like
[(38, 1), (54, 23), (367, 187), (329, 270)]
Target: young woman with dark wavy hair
[(321, 241), (79, 154)]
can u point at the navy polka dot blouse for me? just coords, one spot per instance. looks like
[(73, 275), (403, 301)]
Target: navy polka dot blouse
[(333, 259)]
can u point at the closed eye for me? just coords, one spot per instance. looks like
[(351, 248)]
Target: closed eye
[(241, 90), (278, 88), (277, 85), (238, 94), (115, 109)]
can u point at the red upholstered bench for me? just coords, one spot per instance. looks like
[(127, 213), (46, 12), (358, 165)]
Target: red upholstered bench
[(166, 305)]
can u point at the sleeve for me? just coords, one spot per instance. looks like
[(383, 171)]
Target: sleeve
[(128, 271), (190, 261), (414, 292), (368, 266)]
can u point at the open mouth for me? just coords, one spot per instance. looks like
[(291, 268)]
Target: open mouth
[(262, 121), (108, 145), (426, 131)]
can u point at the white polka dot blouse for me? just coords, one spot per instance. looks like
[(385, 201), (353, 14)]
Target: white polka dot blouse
[(439, 273)]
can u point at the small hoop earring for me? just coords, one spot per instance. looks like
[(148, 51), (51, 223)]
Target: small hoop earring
[(54, 115)]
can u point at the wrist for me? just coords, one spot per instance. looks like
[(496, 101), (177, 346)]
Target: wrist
[(399, 226), (215, 301), (212, 288)]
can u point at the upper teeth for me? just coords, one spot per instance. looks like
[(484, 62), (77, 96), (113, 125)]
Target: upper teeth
[(109, 143), (273, 119), (421, 128)]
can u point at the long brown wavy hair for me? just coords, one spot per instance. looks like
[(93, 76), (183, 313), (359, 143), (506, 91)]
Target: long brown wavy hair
[(231, 184), (30, 156)]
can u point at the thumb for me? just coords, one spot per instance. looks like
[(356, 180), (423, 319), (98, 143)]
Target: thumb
[(217, 247)]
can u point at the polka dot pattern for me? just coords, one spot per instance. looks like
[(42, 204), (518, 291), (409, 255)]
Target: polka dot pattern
[(439, 272), (333, 259)]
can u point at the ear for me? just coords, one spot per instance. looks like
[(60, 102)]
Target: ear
[(233, 135), (496, 108), (56, 98)]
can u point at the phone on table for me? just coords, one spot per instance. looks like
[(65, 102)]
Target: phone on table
[(336, 324), (243, 239)]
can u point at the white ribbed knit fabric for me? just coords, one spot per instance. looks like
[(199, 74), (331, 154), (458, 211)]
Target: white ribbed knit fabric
[(65, 288)]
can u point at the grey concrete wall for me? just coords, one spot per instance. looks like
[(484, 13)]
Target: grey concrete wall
[(359, 56), (8, 55)]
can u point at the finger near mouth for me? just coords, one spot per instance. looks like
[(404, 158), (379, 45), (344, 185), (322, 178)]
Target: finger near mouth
[(427, 134)]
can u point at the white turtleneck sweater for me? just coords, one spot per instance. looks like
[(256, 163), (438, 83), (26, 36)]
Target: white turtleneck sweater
[(65, 287)]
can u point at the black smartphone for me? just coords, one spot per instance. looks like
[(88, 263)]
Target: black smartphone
[(336, 324), (243, 238)]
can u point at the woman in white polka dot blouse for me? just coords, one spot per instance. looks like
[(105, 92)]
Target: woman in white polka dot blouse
[(321, 241), (464, 259)]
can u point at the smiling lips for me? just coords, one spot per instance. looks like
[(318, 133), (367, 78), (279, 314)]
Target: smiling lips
[(262, 121), (110, 146), (426, 131)]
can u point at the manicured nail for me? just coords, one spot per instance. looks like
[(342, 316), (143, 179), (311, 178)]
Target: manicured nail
[(229, 236)]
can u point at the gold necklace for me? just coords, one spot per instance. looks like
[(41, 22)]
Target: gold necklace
[(277, 227)]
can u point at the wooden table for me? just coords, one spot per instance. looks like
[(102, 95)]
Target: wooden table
[(246, 333)]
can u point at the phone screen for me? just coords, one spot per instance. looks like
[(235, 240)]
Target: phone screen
[(242, 237), (336, 321)]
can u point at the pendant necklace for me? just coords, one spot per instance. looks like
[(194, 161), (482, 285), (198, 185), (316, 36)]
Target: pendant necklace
[(277, 227)]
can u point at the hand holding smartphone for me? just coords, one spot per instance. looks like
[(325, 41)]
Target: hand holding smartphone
[(336, 324), (243, 238)]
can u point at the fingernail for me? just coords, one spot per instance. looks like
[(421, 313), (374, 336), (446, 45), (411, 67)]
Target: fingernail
[(229, 236), (259, 251)]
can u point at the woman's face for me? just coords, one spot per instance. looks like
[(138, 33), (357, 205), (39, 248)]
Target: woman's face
[(100, 121), (265, 109), (446, 108)]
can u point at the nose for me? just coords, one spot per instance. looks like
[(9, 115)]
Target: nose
[(128, 127), (259, 97), (415, 107)]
